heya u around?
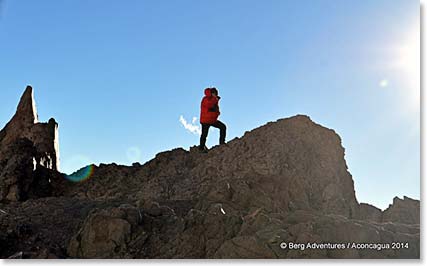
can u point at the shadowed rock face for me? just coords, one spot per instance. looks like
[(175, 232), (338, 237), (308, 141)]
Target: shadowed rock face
[(286, 181), (406, 211), (29, 153), (293, 164)]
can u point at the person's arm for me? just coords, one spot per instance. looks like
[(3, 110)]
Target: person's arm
[(211, 104), (214, 109), (217, 105)]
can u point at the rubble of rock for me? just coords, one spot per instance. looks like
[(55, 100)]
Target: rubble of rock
[(284, 182)]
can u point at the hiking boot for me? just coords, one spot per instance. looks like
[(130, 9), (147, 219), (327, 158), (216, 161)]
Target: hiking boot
[(203, 149)]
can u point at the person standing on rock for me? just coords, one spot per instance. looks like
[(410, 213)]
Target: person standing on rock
[(209, 117)]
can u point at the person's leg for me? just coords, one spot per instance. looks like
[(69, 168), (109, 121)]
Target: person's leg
[(205, 131), (222, 131)]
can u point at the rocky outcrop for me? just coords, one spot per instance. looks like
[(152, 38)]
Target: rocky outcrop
[(292, 164), (406, 211), (281, 184), (29, 153)]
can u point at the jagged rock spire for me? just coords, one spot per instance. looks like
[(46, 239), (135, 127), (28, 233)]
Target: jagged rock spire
[(27, 110), (27, 149), (23, 120)]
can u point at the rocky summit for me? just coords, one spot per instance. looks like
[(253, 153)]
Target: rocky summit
[(282, 190)]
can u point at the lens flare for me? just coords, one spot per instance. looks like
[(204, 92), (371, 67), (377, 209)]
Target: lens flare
[(81, 175)]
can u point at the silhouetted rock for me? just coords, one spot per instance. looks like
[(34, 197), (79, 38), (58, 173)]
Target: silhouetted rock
[(288, 165), (29, 153), (406, 211), (284, 182)]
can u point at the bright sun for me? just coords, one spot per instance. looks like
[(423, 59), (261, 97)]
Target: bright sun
[(406, 63)]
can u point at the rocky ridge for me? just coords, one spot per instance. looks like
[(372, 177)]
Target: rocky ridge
[(286, 181)]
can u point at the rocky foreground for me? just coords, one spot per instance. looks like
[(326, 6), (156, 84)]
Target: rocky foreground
[(282, 190)]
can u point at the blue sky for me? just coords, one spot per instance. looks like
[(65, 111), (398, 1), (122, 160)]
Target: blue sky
[(118, 75)]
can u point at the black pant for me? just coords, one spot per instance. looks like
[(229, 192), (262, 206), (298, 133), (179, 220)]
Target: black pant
[(205, 130)]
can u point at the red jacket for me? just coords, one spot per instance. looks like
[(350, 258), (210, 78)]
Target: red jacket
[(209, 108)]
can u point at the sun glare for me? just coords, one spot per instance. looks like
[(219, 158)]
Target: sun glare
[(407, 66)]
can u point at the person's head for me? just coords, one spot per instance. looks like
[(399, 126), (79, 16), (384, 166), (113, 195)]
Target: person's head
[(214, 91)]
